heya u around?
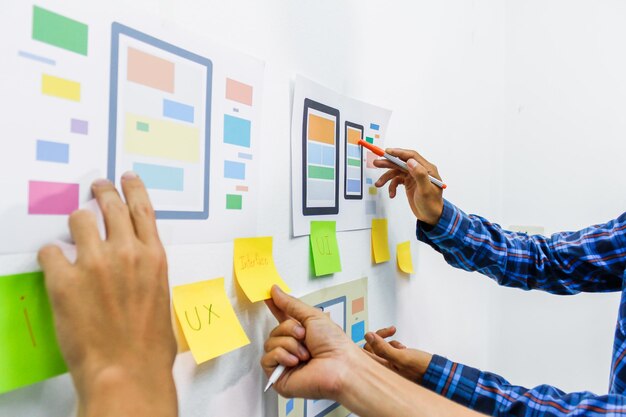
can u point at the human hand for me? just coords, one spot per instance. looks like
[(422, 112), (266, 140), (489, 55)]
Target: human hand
[(111, 307), (317, 353), (424, 197), (409, 363)]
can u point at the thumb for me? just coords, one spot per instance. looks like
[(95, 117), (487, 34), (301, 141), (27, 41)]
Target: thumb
[(292, 306), (380, 347), (419, 173)]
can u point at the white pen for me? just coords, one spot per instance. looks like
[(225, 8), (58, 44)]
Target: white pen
[(399, 162), (274, 377)]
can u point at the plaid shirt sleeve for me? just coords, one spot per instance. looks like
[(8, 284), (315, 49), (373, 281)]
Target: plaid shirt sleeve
[(493, 395), (590, 260)]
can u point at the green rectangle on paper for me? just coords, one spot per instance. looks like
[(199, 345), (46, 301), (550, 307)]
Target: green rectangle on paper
[(321, 173), (354, 162), (57, 30), (324, 247), (369, 139), (233, 202), (29, 351), (143, 127)]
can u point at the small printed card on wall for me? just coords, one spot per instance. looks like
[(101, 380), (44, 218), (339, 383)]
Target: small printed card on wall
[(255, 269), (207, 319), (324, 248), (380, 241), (29, 351), (405, 262)]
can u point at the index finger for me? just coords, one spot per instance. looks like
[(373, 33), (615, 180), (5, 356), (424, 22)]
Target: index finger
[(141, 211), (406, 154), (114, 211)]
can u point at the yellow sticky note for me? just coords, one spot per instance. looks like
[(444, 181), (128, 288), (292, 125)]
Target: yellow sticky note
[(255, 268), (380, 241), (405, 262), (60, 87), (207, 319)]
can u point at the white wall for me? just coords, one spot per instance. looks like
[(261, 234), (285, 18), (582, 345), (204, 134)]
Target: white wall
[(501, 95)]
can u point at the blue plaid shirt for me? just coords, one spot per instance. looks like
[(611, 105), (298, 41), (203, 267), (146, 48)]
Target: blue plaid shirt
[(590, 260)]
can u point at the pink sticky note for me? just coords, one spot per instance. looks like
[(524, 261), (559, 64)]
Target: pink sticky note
[(52, 197)]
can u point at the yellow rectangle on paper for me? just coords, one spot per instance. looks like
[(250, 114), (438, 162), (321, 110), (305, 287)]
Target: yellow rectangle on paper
[(403, 253), (207, 319), (380, 241), (321, 129), (255, 269), (373, 190), (165, 139), (60, 87)]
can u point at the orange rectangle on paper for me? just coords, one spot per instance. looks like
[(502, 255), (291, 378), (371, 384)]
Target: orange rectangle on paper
[(321, 129), (241, 188), (239, 92), (149, 70), (377, 136), (354, 136), (358, 305)]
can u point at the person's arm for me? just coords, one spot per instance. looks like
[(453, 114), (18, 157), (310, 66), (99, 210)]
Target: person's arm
[(111, 307), (483, 391), (323, 363), (590, 260)]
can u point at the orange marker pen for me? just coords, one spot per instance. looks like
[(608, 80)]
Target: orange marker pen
[(399, 162)]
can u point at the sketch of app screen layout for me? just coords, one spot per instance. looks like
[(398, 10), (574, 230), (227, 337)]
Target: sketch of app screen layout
[(159, 121), (353, 164), (320, 159)]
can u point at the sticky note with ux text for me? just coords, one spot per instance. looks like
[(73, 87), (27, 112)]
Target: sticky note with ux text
[(207, 319), (324, 247), (380, 241), (255, 269), (405, 262), (29, 351)]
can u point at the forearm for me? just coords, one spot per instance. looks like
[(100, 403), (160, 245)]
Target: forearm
[(375, 391)]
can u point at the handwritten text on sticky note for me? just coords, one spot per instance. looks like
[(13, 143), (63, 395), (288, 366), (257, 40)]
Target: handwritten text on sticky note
[(207, 319), (324, 247), (255, 269)]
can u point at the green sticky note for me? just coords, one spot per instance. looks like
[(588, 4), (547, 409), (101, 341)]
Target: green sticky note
[(57, 30), (324, 248), (29, 351)]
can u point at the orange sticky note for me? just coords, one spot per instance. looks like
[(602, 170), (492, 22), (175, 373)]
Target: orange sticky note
[(380, 241), (207, 319), (405, 262), (255, 269)]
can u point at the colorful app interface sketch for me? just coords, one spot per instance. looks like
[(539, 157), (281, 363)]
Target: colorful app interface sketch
[(160, 121), (320, 175), (353, 162)]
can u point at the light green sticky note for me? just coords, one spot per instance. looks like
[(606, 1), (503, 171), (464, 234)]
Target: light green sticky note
[(29, 351), (324, 248)]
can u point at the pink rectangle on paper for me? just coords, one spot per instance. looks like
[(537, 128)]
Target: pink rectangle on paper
[(239, 92), (241, 188), (358, 305), (371, 157), (150, 70), (52, 197)]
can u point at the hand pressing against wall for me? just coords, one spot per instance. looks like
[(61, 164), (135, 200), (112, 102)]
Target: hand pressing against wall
[(424, 197), (111, 307), (409, 363)]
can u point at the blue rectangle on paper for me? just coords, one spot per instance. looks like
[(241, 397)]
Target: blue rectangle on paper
[(243, 155), (328, 156), (53, 152), (374, 126), (358, 331), (237, 131), (354, 152), (354, 186), (369, 181), (160, 177), (314, 153), (234, 170), (178, 111), (289, 406)]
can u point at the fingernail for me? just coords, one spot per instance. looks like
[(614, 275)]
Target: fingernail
[(303, 352), (299, 331), (129, 175), (412, 163), (100, 182), (369, 337), (278, 289)]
